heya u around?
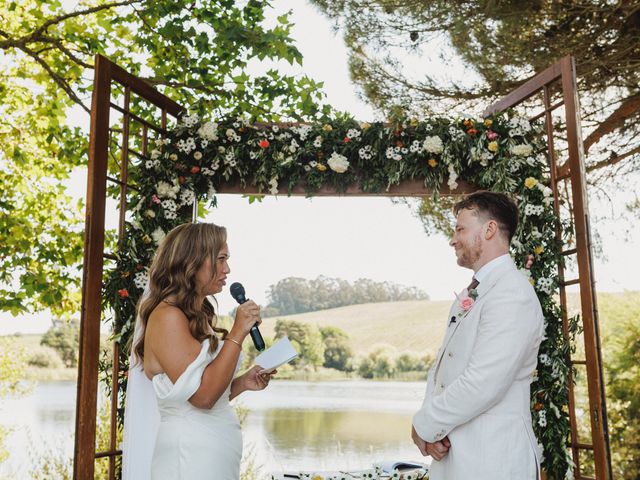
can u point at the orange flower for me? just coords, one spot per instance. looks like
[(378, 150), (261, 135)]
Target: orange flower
[(346, 140), (195, 169), (472, 131), (432, 162), (181, 179), (123, 292), (468, 123), (399, 144), (537, 406), (264, 143)]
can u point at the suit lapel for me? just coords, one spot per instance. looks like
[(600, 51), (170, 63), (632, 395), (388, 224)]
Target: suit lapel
[(483, 288)]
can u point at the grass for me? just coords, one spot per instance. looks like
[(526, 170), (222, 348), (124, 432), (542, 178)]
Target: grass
[(415, 326)]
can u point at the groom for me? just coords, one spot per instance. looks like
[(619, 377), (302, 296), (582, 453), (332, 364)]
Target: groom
[(475, 420)]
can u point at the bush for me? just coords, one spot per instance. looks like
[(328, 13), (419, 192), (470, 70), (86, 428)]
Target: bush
[(378, 364), (337, 352), (64, 338), (45, 357)]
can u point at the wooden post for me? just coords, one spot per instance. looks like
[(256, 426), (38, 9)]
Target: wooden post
[(86, 400), (595, 381)]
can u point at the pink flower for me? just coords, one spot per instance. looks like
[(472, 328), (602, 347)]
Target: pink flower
[(466, 303), (155, 199), (491, 135)]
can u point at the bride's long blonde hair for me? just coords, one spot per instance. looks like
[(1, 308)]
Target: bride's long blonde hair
[(172, 275)]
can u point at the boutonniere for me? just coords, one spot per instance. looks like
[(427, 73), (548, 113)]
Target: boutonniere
[(466, 301)]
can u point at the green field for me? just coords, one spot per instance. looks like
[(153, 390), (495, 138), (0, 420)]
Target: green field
[(412, 326)]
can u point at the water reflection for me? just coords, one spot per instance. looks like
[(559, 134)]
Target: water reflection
[(291, 426)]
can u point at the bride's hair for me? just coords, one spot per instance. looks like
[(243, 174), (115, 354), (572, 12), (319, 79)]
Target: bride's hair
[(172, 278)]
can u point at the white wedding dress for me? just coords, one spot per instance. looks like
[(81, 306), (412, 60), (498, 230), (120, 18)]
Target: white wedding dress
[(191, 443)]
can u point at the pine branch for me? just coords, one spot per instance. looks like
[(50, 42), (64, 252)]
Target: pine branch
[(629, 108)]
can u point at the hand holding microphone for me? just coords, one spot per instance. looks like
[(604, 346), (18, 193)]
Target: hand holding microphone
[(248, 310)]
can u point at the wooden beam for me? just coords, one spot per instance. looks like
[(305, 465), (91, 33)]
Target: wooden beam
[(526, 90), (589, 313), (91, 306)]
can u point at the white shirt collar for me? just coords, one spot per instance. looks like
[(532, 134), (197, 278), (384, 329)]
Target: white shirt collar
[(488, 267)]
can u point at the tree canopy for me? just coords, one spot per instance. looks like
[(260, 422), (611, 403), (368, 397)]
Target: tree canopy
[(501, 44), (202, 54), (298, 295)]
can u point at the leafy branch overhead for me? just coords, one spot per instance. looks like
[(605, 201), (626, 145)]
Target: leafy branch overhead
[(498, 45), (198, 53)]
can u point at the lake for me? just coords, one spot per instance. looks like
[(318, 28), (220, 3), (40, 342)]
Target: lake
[(292, 425)]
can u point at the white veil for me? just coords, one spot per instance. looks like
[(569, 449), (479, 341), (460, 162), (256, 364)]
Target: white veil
[(141, 417)]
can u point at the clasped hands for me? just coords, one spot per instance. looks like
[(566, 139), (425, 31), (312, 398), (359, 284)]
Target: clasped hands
[(437, 450)]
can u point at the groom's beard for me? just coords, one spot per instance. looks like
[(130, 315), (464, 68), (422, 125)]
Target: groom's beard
[(470, 254)]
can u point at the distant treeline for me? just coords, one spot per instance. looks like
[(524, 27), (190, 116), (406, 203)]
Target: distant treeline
[(299, 295)]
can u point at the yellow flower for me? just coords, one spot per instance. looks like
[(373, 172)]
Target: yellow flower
[(146, 239), (432, 162), (173, 157), (413, 122), (327, 128), (530, 182), (488, 122), (317, 477), (321, 167), (538, 250), (493, 146), (365, 125)]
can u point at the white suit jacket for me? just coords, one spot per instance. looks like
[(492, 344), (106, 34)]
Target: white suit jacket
[(478, 390)]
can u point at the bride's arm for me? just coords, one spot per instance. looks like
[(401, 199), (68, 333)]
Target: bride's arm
[(170, 340)]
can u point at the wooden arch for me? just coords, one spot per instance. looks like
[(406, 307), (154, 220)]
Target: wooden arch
[(556, 86)]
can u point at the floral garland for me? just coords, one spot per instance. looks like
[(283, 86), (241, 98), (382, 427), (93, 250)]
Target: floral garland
[(504, 153)]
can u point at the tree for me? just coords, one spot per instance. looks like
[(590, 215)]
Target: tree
[(13, 363), (64, 337), (306, 337), (197, 53), (298, 295), (500, 45), (623, 390), (337, 352)]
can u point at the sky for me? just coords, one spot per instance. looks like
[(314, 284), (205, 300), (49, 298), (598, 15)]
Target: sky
[(351, 238)]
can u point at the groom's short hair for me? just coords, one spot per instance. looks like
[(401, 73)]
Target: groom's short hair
[(493, 206)]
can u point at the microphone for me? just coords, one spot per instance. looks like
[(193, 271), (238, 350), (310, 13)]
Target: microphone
[(237, 292)]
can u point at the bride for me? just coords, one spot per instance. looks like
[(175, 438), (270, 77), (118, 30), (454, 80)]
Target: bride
[(178, 420)]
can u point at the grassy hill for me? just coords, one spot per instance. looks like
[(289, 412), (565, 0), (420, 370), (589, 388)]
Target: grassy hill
[(417, 326)]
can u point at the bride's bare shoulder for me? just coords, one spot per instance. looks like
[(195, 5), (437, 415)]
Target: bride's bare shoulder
[(167, 316)]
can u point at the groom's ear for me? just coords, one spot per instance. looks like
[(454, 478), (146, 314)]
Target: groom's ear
[(491, 229)]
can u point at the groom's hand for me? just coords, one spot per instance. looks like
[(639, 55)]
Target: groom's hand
[(420, 443), (437, 450)]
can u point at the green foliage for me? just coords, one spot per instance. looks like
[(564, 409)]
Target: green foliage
[(496, 46), (298, 295), (13, 362), (306, 338), (337, 352), (621, 351), (197, 53), (64, 337), (407, 362), (45, 357), (378, 364)]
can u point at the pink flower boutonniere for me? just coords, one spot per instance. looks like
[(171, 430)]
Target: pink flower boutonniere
[(466, 301)]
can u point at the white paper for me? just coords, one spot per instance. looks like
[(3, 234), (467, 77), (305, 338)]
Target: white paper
[(279, 353), (391, 465)]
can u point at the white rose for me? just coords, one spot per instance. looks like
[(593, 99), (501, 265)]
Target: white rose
[(157, 235), (522, 150), (338, 163), (433, 145)]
